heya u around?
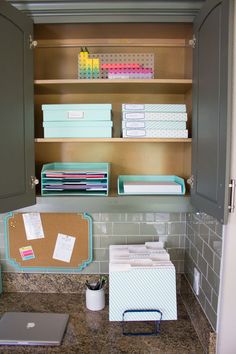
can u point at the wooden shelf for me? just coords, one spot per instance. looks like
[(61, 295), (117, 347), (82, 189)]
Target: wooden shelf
[(112, 42), (112, 86), (110, 140), (112, 204)]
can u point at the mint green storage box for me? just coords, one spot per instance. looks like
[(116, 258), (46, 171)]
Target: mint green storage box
[(59, 186), (76, 112), (135, 178), (85, 129)]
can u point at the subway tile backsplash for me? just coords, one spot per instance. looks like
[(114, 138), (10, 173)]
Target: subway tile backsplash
[(203, 250)]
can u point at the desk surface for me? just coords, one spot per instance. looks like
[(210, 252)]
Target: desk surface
[(90, 332)]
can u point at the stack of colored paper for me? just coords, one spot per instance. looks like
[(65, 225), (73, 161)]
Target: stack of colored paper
[(127, 71), (76, 181), (154, 121)]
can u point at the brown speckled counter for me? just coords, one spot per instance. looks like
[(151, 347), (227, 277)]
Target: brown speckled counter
[(91, 332)]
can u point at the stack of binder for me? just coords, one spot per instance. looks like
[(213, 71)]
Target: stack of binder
[(75, 179), (77, 120), (154, 121), (136, 271)]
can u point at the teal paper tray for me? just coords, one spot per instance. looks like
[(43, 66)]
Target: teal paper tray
[(142, 178), (103, 168)]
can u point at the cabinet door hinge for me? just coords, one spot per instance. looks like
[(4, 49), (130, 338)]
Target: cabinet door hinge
[(192, 42), (190, 181), (232, 185), (32, 44)]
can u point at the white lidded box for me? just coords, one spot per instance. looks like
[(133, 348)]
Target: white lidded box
[(141, 277)]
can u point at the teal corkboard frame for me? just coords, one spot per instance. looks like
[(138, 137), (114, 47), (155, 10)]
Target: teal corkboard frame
[(54, 269)]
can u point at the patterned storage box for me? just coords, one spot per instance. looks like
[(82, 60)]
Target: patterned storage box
[(161, 116), (154, 107), (132, 278), (151, 133), (154, 124)]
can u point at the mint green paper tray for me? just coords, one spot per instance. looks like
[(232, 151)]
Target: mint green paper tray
[(154, 178), (77, 166)]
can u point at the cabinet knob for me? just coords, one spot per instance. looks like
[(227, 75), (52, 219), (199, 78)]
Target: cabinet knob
[(33, 44), (190, 181), (34, 181)]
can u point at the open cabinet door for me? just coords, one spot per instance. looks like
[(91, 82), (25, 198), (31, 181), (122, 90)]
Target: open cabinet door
[(211, 108), (16, 110)]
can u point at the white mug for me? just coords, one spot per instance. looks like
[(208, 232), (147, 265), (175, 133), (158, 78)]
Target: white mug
[(95, 299)]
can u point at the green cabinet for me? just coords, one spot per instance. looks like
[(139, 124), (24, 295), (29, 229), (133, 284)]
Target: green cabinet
[(16, 110), (210, 123)]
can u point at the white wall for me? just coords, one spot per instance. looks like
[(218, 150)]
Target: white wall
[(226, 343)]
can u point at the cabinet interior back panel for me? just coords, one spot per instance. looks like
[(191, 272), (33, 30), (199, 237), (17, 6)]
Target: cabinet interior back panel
[(125, 158), (105, 97)]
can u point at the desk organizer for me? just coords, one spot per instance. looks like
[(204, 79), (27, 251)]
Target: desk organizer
[(85, 179), (77, 121), (134, 272), (116, 66), (151, 185)]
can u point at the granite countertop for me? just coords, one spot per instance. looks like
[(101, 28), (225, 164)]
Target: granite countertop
[(91, 332)]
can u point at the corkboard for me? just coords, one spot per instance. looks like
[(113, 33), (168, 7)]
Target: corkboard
[(76, 225)]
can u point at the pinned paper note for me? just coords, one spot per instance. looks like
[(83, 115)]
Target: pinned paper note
[(33, 226), (64, 248), (26, 253)]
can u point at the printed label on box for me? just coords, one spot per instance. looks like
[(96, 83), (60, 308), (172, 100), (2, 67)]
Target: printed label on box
[(135, 124), (134, 115), (134, 107), (75, 114), (135, 132)]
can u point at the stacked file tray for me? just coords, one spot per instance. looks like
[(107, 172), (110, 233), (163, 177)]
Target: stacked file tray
[(88, 179), (77, 120), (151, 185), (154, 121), (141, 277)]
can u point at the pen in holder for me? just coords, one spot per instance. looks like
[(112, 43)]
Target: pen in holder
[(95, 295)]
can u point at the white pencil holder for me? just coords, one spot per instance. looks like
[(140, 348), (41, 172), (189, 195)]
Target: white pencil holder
[(95, 299)]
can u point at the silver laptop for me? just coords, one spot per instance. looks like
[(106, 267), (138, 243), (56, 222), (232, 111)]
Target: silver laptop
[(32, 328)]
